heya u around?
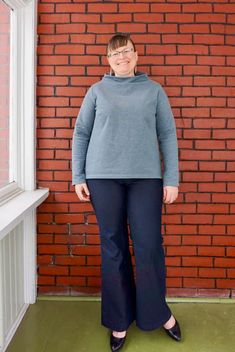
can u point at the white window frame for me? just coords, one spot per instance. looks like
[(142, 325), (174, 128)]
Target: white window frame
[(19, 200), (22, 99)]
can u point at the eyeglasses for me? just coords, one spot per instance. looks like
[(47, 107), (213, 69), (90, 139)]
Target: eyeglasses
[(124, 52)]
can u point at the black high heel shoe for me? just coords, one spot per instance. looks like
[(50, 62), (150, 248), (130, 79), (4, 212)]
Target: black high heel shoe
[(116, 343), (174, 332)]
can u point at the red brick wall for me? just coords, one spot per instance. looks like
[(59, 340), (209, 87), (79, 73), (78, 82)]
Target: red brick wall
[(188, 48), (4, 92)]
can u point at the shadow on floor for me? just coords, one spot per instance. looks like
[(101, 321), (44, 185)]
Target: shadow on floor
[(74, 326)]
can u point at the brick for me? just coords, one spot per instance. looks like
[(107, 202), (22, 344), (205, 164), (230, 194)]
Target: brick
[(52, 39), (181, 250), (197, 134), (213, 208), (45, 49), (69, 240), (86, 250), (209, 123), (73, 49), (224, 8), (224, 262), (86, 18), (197, 176), (161, 49), (188, 165), (209, 81), (53, 270), (198, 282), (223, 155), (230, 252), (46, 280), (116, 17), (54, 122), (53, 60), (194, 28), (70, 8), (133, 27), (70, 28), (45, 154), (209, 39), (46, 29), (177, 38), (100, 28), (165, 8), (69, 218), (210, 144), (197, 70), (211, 187), (70, 281), (211, 102), (195, 155), (180, 18), (102, 8), (211, 17), (197, 219), (174, 282), (224, 240), (84, 38), (162, 28), (210, 251), (212, 272), (52, 249), (196, 240), (227, 176), (229, 283), (197, 8), (181, 272), (43, 238), (45, 8), (212, 166), (148, 18), (197, 261), (44, 259), (224, 219), (180, 59), (94, 281), (86, 271), (94, 260), (211, 60), (54, 18)]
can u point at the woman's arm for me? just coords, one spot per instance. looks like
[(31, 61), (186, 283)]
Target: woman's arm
[(167, 138), (81, 136)]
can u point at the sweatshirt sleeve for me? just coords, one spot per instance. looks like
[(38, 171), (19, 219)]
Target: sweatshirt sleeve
[(167, 138), (81, 136)]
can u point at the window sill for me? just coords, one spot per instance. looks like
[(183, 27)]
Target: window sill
[(13, 211)]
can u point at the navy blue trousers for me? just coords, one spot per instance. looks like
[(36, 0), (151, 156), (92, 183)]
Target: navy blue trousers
[(125, 297)]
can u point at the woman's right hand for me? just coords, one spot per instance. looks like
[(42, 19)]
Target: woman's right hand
[(82, 192)]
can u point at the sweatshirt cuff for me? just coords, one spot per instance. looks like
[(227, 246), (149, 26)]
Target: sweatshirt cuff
[(78, 179)]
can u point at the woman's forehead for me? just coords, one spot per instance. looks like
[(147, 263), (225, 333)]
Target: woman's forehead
[(127, 45)]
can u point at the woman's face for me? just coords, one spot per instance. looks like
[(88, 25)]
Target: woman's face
[(123, 60)]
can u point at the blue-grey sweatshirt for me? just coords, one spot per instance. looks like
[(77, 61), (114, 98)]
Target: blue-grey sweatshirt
[(124, 128)]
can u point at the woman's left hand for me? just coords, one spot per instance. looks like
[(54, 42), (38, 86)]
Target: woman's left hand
[(170, 193)]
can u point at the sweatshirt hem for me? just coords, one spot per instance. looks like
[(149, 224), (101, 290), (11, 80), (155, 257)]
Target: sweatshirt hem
[(122, 176)]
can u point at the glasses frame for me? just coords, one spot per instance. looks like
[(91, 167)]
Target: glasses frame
[(124, 52)]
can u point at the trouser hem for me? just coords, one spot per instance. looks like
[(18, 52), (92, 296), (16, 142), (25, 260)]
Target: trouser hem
[(118, 328), (152, 327)]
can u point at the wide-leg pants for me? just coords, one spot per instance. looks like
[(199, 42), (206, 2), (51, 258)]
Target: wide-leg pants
[(125, 298)]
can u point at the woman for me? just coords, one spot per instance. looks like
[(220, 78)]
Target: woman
[(124, 123)]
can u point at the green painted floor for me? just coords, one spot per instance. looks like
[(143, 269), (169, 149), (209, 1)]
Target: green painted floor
[(74, 326)]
